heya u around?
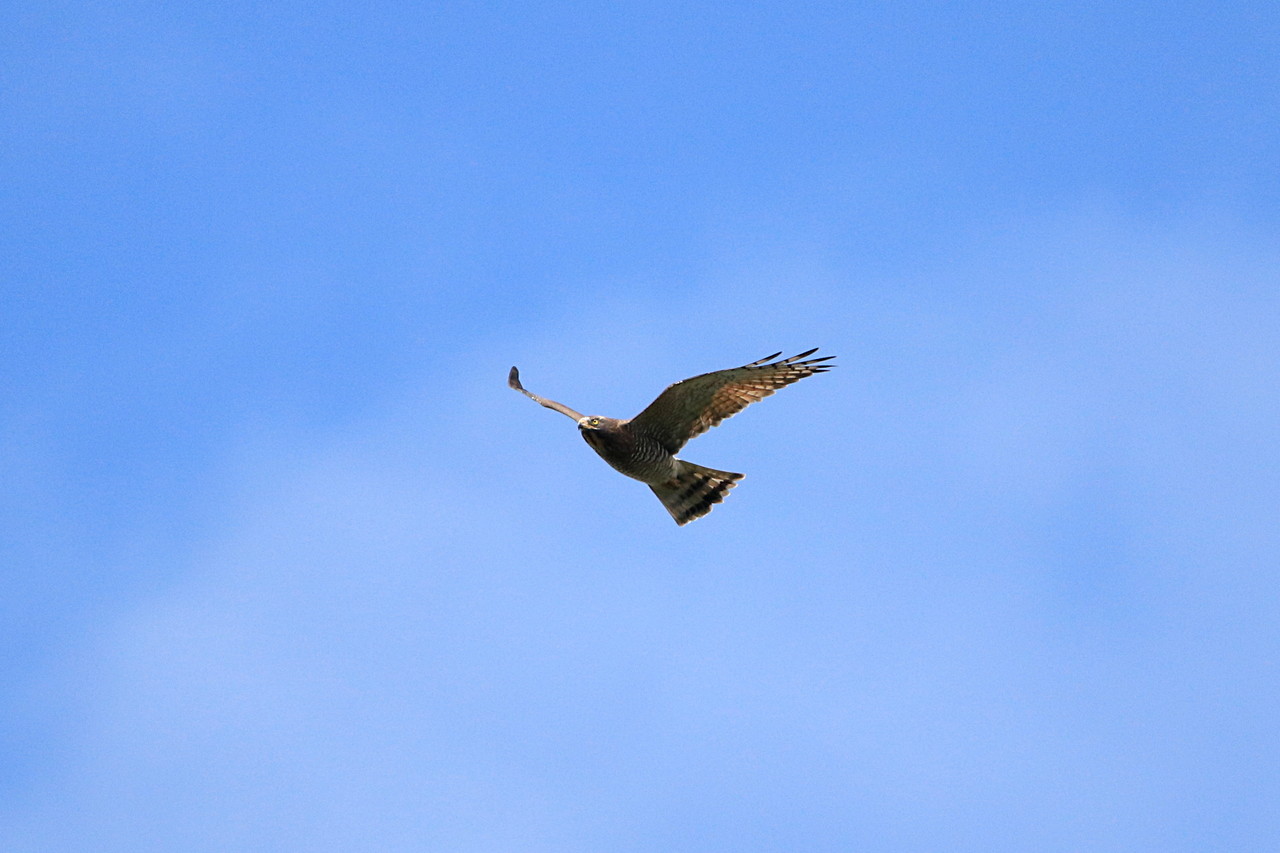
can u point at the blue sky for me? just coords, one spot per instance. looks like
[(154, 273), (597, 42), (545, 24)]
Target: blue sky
[(287, 566)]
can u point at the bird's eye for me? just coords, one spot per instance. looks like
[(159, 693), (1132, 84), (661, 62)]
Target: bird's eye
[(594, 422)]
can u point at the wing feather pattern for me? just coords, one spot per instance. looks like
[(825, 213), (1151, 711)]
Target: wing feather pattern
[(688, 409)]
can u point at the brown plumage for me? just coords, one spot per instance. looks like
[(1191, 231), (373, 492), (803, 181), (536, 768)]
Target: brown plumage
[(644, 447)]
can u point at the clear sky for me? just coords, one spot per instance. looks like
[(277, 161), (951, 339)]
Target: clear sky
[(286, 565)]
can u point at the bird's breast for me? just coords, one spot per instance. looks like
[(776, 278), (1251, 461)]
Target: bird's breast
[(639, 458)]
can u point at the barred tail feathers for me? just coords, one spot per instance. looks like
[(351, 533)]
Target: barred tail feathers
[(692, 492)]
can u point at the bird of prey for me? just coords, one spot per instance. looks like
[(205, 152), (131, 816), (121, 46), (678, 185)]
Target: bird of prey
[(645, 446)]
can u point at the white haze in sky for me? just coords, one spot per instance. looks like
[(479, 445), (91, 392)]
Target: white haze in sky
[(1004, 578)]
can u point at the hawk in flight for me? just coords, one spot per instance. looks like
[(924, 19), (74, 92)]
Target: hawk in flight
[(645, 446)]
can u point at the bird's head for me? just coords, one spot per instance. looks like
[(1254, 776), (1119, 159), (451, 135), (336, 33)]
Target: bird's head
[(594, 430)]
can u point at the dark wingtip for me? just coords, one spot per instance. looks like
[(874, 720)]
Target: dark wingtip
[(513, 379), (813, 360)]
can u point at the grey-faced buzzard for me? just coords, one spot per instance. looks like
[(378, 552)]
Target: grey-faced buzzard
[(644, 447)]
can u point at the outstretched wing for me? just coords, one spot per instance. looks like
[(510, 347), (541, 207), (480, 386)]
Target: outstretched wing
[(690, 408), (513, 379)]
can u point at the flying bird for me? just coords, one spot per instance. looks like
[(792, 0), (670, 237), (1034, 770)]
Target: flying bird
[(644, 447)]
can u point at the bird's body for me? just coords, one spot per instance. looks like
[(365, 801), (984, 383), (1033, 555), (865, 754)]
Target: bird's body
[(629, 450), (644, 447)]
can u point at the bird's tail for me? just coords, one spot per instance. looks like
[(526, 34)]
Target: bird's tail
[(691, 493)]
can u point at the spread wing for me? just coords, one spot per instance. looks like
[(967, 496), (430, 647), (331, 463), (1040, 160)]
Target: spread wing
[(513, 379), (690, 408)]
